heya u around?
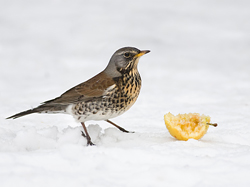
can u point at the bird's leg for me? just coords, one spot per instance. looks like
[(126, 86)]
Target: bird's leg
[(86, 135), (120, 128)]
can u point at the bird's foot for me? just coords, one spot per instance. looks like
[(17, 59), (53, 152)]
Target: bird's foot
[(88, 139), (120, 128), (83, 134), (90, 143), (124, 130)]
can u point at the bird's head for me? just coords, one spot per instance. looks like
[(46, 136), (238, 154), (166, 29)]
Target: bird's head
[(124, 60)]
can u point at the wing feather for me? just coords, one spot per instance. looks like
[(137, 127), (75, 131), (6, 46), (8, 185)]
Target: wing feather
[(94, 87)]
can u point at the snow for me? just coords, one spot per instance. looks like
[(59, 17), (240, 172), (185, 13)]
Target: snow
[(199, 62)]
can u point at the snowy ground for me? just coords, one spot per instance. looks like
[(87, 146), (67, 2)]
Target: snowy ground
[(199, 62)]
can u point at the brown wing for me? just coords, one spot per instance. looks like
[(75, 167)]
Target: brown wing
[(94, 87)]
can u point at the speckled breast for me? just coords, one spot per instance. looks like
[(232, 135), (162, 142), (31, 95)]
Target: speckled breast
[(114, 103)]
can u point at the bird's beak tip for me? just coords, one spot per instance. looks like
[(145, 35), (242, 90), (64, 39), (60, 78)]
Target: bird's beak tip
[(143, 53)]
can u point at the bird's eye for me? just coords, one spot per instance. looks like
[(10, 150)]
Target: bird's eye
[(127, 55)]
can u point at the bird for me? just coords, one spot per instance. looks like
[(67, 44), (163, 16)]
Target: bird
[(104, 96)]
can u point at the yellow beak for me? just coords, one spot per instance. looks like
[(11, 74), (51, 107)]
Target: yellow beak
[(142, 53)]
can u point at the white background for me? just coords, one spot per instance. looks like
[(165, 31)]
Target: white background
[(199, 62)]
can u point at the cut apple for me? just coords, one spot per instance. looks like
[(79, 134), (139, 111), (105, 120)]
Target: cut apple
[(187, 126)]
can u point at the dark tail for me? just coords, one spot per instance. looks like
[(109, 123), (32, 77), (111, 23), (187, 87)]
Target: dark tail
[(45, 108), (24, 113)]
